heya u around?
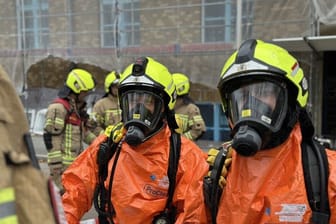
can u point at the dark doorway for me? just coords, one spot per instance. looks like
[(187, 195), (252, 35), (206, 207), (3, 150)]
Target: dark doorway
[(329, 95)]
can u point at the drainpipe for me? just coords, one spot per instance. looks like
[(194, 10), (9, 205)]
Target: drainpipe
[(23, 43), (70, 27), (239, 23)]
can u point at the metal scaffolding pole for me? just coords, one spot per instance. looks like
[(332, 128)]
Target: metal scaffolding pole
[(239, 23)]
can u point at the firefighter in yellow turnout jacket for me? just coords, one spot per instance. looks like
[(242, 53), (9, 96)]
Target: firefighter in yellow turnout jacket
[(21, 184), (187, 114), (106, 111), (65, 127)]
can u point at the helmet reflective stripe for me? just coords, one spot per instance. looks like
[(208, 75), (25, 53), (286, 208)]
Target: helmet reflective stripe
[(182, 83), (79, 80), (250, 65), (151, 75), (111, 79), (141, 79), (7, 206)]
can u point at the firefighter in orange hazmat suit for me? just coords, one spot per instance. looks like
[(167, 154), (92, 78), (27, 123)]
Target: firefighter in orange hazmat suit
[(137, 179), (264, 95)]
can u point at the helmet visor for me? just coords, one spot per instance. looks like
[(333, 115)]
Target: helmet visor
[(264, 102), (141, 108)]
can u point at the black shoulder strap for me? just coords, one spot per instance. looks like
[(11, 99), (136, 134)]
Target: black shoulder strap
[(174, 157), (316, 172), (101, 200), (211, 190), (315, 169), (168, 215)]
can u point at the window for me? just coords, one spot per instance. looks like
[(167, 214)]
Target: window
[(34, 24), (130, 23), (108, 22), (219, 20), (120, 23), (247, 18), (217, 127)]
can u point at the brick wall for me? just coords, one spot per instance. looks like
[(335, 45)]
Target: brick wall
[(172, 35)]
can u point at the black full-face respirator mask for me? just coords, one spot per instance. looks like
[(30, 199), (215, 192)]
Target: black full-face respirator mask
[(257, 114), (142, 115)]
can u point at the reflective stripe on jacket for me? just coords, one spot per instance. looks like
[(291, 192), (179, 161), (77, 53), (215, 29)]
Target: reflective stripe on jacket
[(190, 121), (106, 111), (67, 134), (269, 187), (24, 194), (7, 206), (140, 181)]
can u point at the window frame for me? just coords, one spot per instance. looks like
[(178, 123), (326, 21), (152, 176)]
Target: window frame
[(105, 25), (229, 18), (124, 33), (132, 7), (38, 30)]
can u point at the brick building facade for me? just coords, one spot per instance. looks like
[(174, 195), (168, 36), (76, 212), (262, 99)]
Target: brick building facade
[(174, 32)]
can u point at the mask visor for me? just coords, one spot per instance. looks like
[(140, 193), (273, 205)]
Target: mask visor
[(263, 102), (142, 109)]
